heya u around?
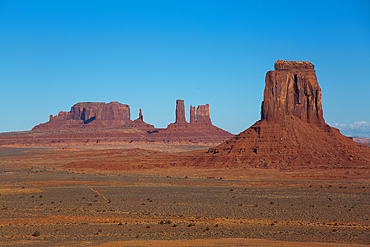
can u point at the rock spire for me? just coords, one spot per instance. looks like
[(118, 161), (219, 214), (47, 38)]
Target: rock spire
[(180, 111), (141, 117), (192, 115)]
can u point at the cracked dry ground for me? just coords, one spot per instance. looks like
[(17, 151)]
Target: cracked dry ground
[(70, 207)]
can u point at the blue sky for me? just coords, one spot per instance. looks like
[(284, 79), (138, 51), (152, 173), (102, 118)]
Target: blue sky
[(147, 54)]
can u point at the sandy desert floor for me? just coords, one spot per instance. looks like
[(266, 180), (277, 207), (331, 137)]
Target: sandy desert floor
[(57, 193)]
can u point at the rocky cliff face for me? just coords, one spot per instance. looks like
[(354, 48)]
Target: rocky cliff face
[(192, 115), (292, 89), (200, 116), (203, 114), (103, 123), (180, 111), (90, 111), (292, 131)]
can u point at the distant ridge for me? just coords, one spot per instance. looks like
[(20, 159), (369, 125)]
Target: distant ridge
[(91, 123)]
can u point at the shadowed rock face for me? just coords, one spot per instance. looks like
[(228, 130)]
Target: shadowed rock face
[(292, 89)]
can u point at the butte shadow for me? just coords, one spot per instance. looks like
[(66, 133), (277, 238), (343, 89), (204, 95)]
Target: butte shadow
[(292, 133)]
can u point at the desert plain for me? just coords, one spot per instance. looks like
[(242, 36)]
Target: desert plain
[(127, 202), (94, 177)]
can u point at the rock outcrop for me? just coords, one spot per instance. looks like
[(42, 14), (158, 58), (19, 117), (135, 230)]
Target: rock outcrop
[(292, 89), (141, 117), (90, 111), (180, 111), (93, 123), (192, 115), (91, 115), (203, 114), (292, 132)]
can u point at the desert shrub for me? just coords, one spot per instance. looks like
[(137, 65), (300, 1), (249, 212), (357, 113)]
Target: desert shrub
[(36, 234), (174, 225), (148, 226), (161, 222), (168, 222), (271, 203), (41, 196), (120, 224)]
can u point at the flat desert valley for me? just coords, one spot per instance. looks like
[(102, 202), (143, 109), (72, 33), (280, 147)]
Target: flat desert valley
[(55, 192), (94, 177)]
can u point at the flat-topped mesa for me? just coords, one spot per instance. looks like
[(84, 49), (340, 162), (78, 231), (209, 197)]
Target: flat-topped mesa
[(90, 111), (292, 89), (203, 114), (180, 111)]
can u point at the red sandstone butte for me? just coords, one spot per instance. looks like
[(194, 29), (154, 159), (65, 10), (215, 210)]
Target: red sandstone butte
[(100, 115), (180, 111), (203, 115), (200, 128), (292, 131), (292, 89), (90, 123)]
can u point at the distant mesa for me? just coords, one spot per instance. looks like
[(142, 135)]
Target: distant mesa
[(98, 123), (292, 131), (93, 115)]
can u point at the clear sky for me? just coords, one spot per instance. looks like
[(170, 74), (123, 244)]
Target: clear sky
[(147, 54)]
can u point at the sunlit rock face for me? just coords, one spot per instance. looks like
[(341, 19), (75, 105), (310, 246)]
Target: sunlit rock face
[(292, 89)]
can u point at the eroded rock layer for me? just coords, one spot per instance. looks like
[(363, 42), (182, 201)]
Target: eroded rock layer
[(101, 123), (93, 115), (292, 131), (292, 89)]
